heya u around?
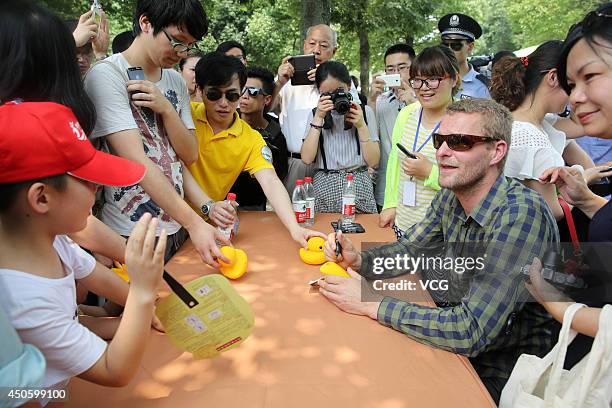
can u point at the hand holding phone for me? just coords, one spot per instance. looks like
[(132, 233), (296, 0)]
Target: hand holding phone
[(302, 64), (405, 151)]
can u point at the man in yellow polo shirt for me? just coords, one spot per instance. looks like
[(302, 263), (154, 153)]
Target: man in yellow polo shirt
[(227, 145)]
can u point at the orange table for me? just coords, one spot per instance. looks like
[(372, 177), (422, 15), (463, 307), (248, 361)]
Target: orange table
[(304, 352)]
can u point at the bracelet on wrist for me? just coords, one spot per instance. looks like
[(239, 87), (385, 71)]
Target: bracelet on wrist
[(316, 126), (365, 141)]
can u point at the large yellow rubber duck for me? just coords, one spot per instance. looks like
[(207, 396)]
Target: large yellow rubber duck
[(332, 268), (314, 255), (237, 265)]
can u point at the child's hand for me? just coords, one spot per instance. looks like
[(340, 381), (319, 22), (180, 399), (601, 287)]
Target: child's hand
[(144, 259)]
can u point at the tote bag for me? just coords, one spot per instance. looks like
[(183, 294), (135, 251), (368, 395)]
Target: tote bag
[(542, 382)]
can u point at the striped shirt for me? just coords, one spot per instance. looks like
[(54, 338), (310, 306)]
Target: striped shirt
[(341, 145), (388, 107), (492, 323), (406, 129)]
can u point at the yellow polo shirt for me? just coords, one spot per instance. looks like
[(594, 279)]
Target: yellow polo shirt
[(222, 157)]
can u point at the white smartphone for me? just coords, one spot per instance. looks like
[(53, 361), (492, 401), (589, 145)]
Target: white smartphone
[(392, 80)]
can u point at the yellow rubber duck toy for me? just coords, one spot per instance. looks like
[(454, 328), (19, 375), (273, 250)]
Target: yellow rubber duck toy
[(314, 255), (238, 262), (332, 268)]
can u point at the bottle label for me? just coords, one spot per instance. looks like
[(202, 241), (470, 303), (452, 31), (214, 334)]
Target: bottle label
[(348, 205), (299, 208), (310, 206)]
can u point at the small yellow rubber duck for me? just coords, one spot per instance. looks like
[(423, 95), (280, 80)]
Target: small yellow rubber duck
[(332, 268), (238, 262), (314, 255)]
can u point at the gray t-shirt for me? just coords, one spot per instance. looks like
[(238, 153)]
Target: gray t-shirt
[(106, 86)]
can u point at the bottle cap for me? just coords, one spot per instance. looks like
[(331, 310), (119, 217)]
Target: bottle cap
[(299, 182), (231, 196), (308, 179), (349, 176)]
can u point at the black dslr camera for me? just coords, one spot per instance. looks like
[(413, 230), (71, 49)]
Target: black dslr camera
[(341, 99), (342, 104), (558, 272)]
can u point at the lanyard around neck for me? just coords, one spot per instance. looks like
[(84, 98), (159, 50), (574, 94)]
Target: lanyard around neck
[(416, 136)]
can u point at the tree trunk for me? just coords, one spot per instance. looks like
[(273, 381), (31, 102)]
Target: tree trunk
[(364, 62), (314, 12)]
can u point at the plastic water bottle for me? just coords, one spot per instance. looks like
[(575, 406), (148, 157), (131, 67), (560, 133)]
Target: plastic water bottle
[(310, 201), (299, 202), (231, 231), (97, 9), (348, 201)]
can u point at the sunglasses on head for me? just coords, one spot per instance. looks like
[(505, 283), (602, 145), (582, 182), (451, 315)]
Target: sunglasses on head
[(254, 91), (458, 141), (454, 45), (214, 94)]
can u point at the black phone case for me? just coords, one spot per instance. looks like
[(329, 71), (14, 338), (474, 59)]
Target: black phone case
[(353, 228), (302, 64)]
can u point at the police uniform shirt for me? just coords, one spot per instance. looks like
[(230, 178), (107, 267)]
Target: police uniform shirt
[(472, 87)]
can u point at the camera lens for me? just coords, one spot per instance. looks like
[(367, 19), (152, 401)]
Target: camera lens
[(342, 106)]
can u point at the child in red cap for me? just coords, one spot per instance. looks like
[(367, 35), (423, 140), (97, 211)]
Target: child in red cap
[(48, 177)]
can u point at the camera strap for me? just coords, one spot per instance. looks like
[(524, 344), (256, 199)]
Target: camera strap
[(322, 148)]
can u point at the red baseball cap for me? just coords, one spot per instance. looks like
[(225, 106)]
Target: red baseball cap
[(42, 139)]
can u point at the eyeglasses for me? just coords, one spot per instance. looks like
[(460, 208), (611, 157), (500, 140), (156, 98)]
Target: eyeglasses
[(214, 94), (253, 91), (432, 83), (454, 45), (181, 48), (392, 69), (458, 141)]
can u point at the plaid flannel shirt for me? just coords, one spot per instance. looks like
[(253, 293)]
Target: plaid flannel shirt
[(491, 324)]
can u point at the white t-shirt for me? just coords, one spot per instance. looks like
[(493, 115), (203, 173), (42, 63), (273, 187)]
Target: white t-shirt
[(44, 313), (532, 150), (106, 86)]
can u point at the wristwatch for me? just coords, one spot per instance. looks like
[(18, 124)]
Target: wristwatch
[(207, 207)]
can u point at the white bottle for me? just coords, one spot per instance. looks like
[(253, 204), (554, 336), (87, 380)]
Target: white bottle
[(348, 201), (231, 231), (310, 201), (299, 202)]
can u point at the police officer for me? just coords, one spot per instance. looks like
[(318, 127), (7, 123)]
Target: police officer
[(458, 32)]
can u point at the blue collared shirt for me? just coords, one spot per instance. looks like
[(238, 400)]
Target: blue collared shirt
[(472, 87)]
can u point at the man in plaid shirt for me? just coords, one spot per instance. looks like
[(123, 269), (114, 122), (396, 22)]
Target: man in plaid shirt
[(491, 323)]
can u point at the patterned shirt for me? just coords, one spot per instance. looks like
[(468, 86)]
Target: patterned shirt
[(490, 324)]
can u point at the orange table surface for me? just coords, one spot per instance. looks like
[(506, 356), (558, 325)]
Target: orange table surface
[(303, 352)]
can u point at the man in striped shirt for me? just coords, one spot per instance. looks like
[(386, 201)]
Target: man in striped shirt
[(491, 322)]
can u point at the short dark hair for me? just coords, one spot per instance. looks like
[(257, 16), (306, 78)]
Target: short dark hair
[(438, 60), (39, 60), (228, 45), (400, 48), (334, 69), (218, 69), (198, 54), (499, 55), (10, 191), (265, 76), (122, 41), (187, 15)]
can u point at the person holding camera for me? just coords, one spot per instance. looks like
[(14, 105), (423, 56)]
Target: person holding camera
[(340, 139), (387, 105)]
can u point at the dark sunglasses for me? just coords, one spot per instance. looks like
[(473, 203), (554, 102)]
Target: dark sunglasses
[(454, 45), (215, 94), (458, 141), (253, 91)]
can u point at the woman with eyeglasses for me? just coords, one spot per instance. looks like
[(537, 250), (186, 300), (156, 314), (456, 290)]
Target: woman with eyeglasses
[(530, 88), (585, 73), (340, 139), (412, 182)]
